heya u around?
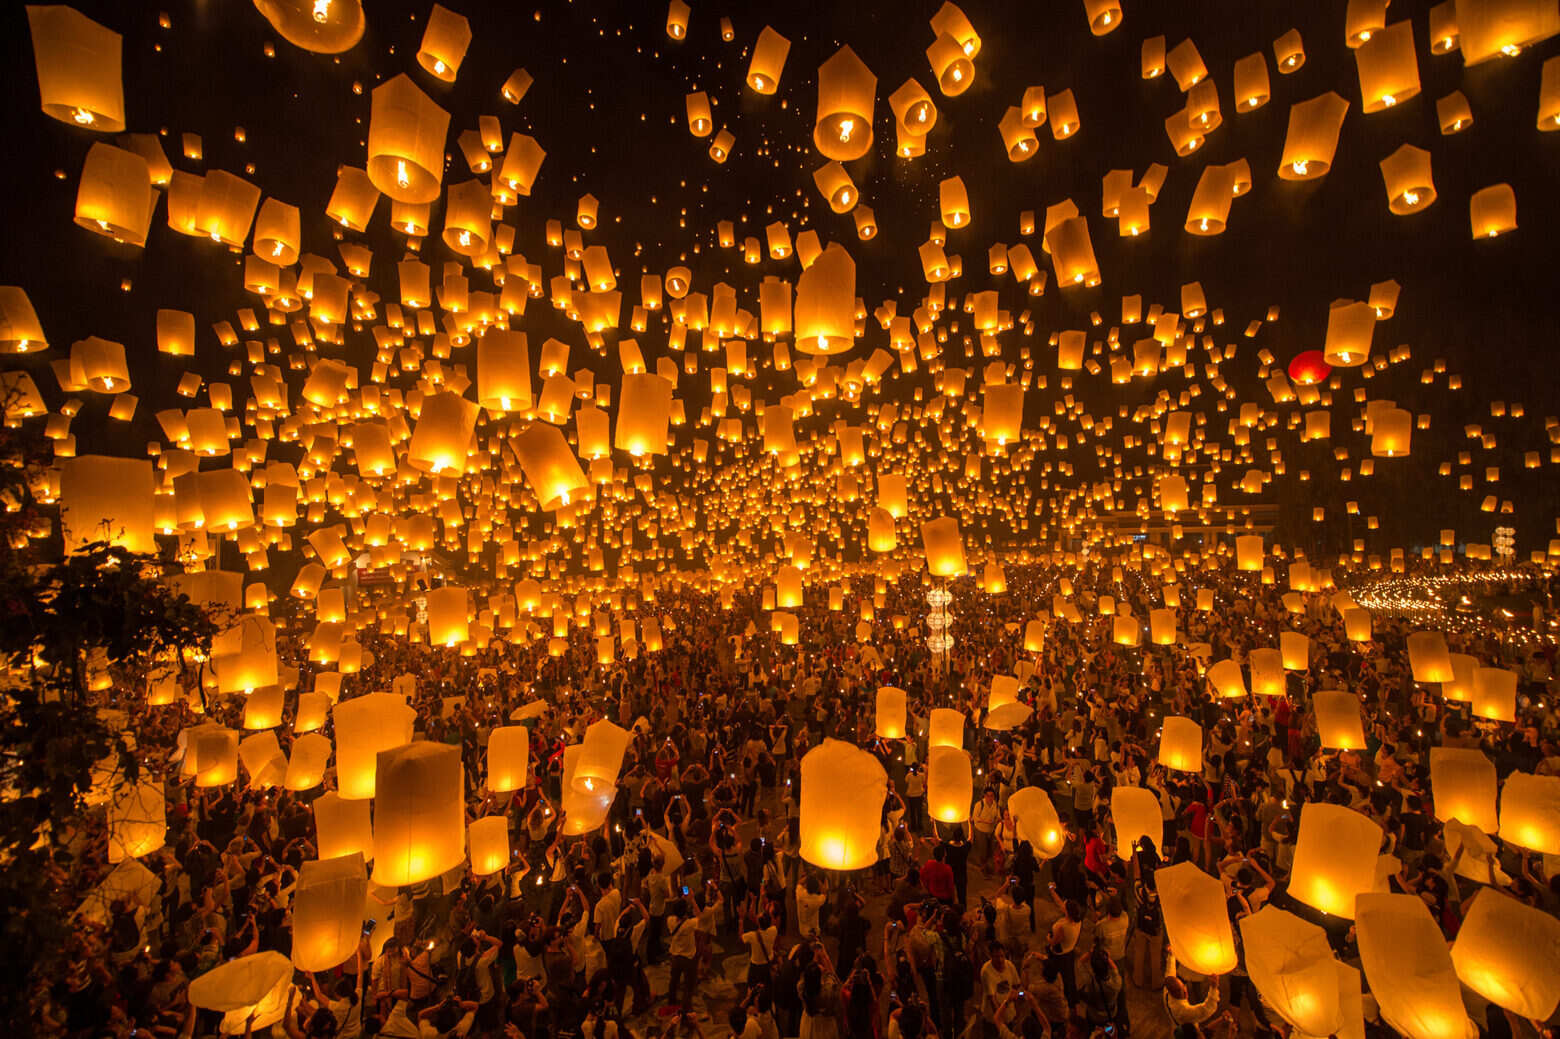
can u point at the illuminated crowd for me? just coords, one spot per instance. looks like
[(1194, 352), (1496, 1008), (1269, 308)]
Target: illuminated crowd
[(691, 911)]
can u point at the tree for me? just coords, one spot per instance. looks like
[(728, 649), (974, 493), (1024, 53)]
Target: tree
[(64, 620)]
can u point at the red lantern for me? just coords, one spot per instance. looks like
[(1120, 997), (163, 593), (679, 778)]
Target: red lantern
[(1309, 368)]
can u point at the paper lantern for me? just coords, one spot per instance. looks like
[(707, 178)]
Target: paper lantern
[(406, 141), (444, 43), (419, 813), (1037, 822), (1460, 686), (1462, 785), (1267, 672), (1161, 627), (137, 821), (1249, 552), (365, 726), (443, 433), (891, 713), (1494, 694), (489, 841), (825, 310), (1072, 253), (841, 833), (1502, 28), (944, 547), (115, 196), (950, 784), (1136, 814), (448, 612), (78, 64), (212, 755), (468, 224), (1406, 173), (1335, 858), (643, 413), (1356, 624), (327, 912), (307, 763), (1549, 96), (508, 759), (20, 330), (1180, 744), (1388, 68), (954, 202), (1508, 953), (327, 27), (1428, 657), (1209, 211), (601, 756), (503, 371), (1186, 65), (342, 827), (1104, 15), (550, 467), (769, 53), (103, 498), (945, 728), (677, 19), (1409, 968), (1492, 211), (250, 990), (1196, 921), (1530, 812), (1226, 679), (1338, 723), (1292, 965), (1062, 112), (1392, 429), (846, 88), (1312, 137), (1251, 82)]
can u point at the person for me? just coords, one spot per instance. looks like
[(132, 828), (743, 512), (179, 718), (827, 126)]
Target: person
[(937, 876), (983, 821), (681, 930), (1183, 1010), (997, 977), (1062, 941), (1100, 991), (759, 935)]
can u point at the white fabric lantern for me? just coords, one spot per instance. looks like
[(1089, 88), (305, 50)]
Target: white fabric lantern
[(327, 912), (1462, 785), (1509, 953), (1136, 814), (1196, 921), (419, 813), (1335, 858), (841, 833), (1409, 968)]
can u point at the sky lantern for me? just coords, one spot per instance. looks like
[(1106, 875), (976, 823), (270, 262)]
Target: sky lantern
[(1409, 968), (1180, 744), (825, 308), (950, 784), (549, 465), (846, 89), (1293, 967), (1037, 821), (1338, 722), (1104, 16), (1388, 68), (890, 713), (1251, 82), (406, 137), (1335, 858), (944, 547), (1494, 695), (1406, 173), (1530, 812), (841, 833), (419, 813), (1489, 29), (1350, 328), (1196, 921), (78, 64), (250, 991), (951, 67), (444, 43), (1136, 813), (1492, 211), (365, 726), (1462, 785), (1312, 138), (1507, 952), (137, 820), (768, 62), (114, 196), (327, 912)]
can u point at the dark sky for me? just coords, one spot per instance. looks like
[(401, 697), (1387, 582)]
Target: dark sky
[(608, 106)]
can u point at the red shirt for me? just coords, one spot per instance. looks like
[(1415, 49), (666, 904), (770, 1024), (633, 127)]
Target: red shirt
[(937, 879)]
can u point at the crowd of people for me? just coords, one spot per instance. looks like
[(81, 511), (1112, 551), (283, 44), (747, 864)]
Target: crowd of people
[(691, 911)]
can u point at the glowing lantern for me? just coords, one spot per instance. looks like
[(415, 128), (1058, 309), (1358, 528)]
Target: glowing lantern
[(1494, 695), (137, 821), (1357, 624), (327, 912), (1391, 431), (508, 759), (846, 89), (1507, 951), (444, 43), (1388, 68), (1462, 785), (945, 728), (1492, 211), (251, 992), (448, 611), (601, 756), (950, 784), (944, 547), (643, 414), (1338, 723), (1428, 657), (1502, 28), (1136, 814), (419, 813), (489, 844), (1409, 968), (1072, 253), (1251, 82), (309, 758), (115, 197), (841, 833), (954, 202), (1124, 630), (78, 64), (1267, 672), (677, 19), (1180, 744), (1350, 328), (769, 53), (891, 713), (550, 467), (825, 311), (1196, 921), (212, 755), (1292, 966), (1161, 627), (1335, 858), (1226, 679), (406, 136), (103, 498), (1312, 137), (1037, 822), (1289, 52), (1210, 209), (1530, 812), (951, 67), (342, 827), (1406, 173), (503, 371), (1249, 552), (244, 657), (1104, 15), (1549, 96), (443, 434), (364, 727), (1063, 115)]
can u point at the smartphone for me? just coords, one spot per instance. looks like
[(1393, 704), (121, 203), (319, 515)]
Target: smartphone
[(685, 889), (639, 812)]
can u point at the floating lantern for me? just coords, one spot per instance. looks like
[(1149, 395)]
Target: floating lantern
[(1387, 67), (1180, 744), (444, 43), (1406, 173), (846, 87), (1492, 211), (488, 839), (841, 833), (1507, 952), (1462, 785), (1494, 695), (342, 827), (419, 813), (327, 912), (944, 547), (945, 728), (890, 713), (1335, 858), (950, 784), (1530, 812), (1136, 814), (137, 821), (1292, 966), (1312, 137), (78, 64), (1409, 968), (365, 726), (1196, 921), (1037, 822)]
